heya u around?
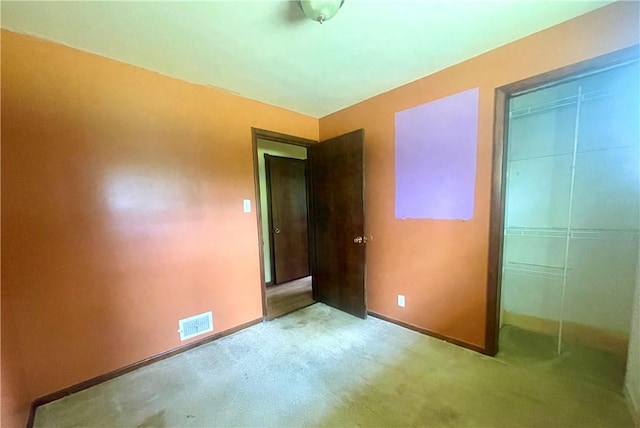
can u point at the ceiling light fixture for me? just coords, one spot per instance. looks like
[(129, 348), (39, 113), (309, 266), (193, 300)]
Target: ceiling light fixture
[(320, 10)]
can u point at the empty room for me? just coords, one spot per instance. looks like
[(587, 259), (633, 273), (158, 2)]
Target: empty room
[(320, 213)]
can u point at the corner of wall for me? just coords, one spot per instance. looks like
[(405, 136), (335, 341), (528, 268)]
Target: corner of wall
[(16, 402), (634, 406), (632, 378)]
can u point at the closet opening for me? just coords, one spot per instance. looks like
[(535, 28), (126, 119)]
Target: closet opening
[(566, 220)]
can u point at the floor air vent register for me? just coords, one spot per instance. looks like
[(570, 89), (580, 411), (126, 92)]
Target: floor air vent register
[(195, 325)]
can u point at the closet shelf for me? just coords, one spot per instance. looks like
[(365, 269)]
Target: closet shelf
[(570, 152), (600, 234), (539, 271)]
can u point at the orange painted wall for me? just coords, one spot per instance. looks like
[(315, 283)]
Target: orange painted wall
[(441, 266), (122, 211)]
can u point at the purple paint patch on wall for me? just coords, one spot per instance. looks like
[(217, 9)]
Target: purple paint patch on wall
[(436, 158)]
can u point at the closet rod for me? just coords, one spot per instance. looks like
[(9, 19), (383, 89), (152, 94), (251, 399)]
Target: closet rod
[(555, 104)]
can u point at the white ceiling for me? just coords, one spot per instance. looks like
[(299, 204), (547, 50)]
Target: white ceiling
[(268, 51)]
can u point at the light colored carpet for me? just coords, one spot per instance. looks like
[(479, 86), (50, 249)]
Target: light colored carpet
[(576, 362), (321, 367)]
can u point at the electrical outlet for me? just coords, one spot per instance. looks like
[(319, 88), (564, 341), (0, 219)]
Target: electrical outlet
[(246, 205), (401, 300)]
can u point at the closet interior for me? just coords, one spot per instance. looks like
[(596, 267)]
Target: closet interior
[(571, 219)]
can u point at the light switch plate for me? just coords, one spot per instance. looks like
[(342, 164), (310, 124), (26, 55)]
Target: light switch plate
[(246, 205)]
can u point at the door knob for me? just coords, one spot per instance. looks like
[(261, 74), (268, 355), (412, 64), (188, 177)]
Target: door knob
[(276, 230), (362, 239)]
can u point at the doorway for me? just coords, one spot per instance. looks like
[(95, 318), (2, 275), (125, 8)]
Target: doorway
[(283, 192), (569, 221), (335, 222)]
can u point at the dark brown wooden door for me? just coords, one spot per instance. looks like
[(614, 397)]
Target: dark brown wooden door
[(288, 219), (337, 194)]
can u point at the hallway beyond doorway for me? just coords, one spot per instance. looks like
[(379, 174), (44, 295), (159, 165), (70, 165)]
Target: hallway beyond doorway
[(288, 297)]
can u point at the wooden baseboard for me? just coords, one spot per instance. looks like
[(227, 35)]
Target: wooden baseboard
[(131, 367), (429, 333), (578, 334), (32, 414)]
